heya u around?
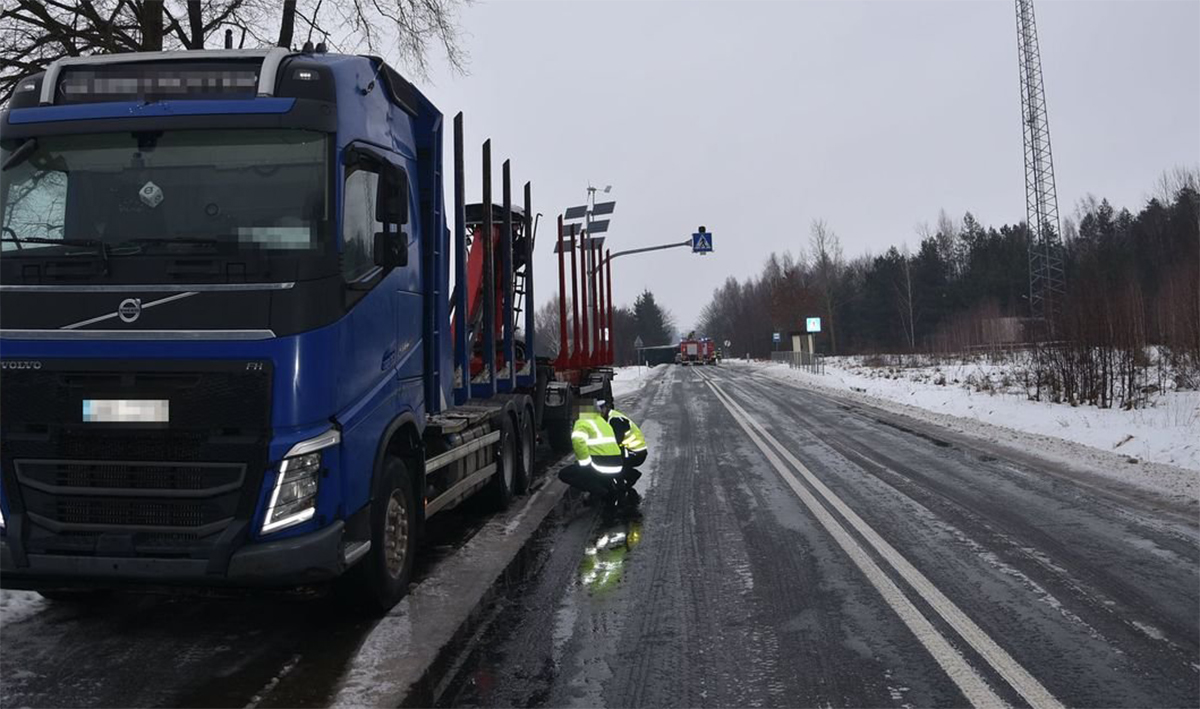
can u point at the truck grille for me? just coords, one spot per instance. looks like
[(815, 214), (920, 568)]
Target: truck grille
[(133, 490), (134, 513), (128, 477)]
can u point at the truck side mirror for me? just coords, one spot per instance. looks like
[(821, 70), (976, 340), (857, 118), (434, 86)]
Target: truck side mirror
[(391, 201), (391, 249)]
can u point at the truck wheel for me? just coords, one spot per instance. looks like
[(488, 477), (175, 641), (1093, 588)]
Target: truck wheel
[(525, 453), (560, 436), (380, 580), (499, 490)]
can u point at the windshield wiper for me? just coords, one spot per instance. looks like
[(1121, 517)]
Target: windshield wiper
[(20, 155), (101, 247), (168, 240)]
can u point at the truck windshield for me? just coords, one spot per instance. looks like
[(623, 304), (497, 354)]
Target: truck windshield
[(128, 194)]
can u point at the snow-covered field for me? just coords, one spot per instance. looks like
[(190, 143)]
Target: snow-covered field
[(627, 380), (1157, 447)]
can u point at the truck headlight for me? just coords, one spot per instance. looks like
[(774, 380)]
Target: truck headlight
[(294, 498)]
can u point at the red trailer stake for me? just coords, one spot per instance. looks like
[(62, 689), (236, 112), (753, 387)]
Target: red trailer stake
[(575, 352), (608, 278), (563, 348)]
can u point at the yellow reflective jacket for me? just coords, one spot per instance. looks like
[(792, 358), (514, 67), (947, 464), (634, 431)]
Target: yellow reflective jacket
[(595, 444), (632, 441)]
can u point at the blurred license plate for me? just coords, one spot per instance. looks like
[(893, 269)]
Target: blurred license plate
[(126, 411)]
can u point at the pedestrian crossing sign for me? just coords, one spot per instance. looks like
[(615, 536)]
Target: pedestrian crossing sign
[(701, 242)]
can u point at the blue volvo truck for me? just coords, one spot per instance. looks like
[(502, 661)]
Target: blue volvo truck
[(231, 351)]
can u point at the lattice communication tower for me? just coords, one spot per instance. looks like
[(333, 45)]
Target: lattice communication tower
[(1047, 280)]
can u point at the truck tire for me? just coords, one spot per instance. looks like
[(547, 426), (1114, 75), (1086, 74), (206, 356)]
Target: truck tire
[(499, 490), (525, 453), (560, 435), (380, 580)]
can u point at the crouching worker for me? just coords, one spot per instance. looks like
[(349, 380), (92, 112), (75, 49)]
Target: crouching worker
[(632, 443), (603, 466)]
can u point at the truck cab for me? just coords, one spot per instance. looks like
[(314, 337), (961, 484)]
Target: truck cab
[(225, 340)]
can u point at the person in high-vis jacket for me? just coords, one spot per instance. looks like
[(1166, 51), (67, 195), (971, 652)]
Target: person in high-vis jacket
[(608, 450), (631, 441)]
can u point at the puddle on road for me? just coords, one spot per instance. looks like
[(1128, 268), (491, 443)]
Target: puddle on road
[(448, 675), (578, 557)]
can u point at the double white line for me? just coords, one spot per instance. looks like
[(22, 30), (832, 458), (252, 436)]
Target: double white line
[(955, 665)]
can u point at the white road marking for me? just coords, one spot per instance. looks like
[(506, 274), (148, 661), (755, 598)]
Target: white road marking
[(270, 686), (951, 661), (516, 521)]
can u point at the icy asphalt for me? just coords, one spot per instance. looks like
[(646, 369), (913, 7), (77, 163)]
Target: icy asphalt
[(791, 549), (933, 571)]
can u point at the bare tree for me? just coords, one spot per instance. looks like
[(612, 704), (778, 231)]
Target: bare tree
[(828, 267), (948, 231), (33, 33), (545, 323), (1175, 179)]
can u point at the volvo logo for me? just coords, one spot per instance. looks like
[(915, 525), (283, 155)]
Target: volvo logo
[(130, 309), (20, 364)]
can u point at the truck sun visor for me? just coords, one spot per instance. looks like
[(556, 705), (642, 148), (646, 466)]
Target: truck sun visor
[(147, 82)]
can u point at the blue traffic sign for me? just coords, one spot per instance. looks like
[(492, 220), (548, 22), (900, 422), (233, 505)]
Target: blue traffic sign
[(702, 242)]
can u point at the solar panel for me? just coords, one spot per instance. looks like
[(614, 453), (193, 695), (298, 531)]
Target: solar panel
[(585, 242)]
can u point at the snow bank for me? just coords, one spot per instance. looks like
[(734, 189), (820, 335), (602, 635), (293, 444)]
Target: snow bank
[(1145, 447), (16, 606), (627, 380)]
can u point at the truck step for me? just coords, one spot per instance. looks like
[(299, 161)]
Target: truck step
[(459, 418)]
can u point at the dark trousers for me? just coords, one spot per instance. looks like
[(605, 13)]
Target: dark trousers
[(631, 473), (599, 484), (587, 479)]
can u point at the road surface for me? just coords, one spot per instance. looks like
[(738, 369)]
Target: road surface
[(790, 550), (796, 550), (266, 650)]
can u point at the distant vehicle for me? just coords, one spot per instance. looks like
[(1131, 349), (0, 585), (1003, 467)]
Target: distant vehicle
[(228, 357), (689, 352), (696, 351)]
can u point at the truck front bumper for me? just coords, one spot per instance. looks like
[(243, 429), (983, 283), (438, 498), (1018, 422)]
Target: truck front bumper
[(295, 561)]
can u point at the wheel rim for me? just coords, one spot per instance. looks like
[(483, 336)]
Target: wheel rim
[(506, 460), (395, 534), (527, 451)]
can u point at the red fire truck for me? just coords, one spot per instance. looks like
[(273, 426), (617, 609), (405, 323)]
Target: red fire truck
[(696, 351)]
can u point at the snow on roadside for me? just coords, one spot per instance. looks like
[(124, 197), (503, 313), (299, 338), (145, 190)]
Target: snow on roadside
[(1156, 448), (16, 606), (627, 380)]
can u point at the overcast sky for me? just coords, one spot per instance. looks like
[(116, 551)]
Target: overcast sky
[(754, 118)]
